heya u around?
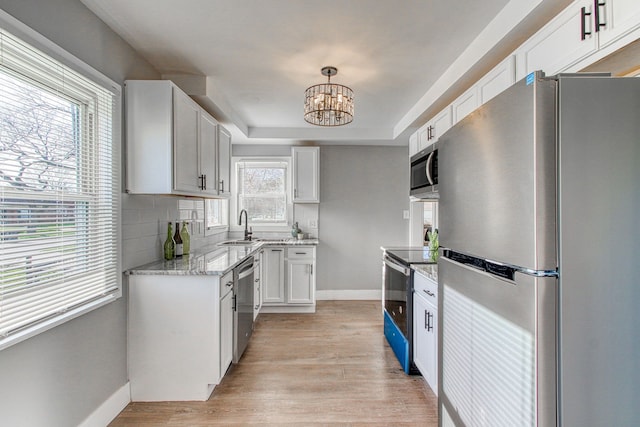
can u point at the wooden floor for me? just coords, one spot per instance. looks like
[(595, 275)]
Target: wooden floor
[(333, 367)]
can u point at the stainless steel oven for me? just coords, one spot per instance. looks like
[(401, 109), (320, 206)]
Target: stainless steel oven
[(398, 307)]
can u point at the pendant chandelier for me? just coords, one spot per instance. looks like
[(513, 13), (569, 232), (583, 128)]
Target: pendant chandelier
[(328, 104)]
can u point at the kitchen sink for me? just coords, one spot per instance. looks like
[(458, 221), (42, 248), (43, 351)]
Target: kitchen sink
[(238, 243)]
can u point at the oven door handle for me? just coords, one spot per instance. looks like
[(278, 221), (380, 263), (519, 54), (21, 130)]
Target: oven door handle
[(401, 268)]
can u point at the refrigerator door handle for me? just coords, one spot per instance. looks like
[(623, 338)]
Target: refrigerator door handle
[(494, 268)]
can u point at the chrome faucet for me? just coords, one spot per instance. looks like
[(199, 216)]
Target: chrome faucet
[(247, 233)]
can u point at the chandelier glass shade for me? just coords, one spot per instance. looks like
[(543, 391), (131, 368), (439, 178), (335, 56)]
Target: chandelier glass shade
[(328, 104)]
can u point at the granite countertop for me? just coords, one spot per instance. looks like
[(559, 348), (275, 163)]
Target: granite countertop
[(430, 271), (213, 260)]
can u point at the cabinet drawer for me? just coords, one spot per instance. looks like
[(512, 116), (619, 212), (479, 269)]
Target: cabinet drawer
[(426, 287), (226, 284), (300, 252)]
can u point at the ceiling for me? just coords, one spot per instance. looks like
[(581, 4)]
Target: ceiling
[(249, 61)]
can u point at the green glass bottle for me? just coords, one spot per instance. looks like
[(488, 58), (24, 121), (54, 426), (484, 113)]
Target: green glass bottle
[(169, 245), (186, 239)]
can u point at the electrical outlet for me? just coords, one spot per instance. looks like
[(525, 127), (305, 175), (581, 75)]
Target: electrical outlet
[(312, 223), (405, 214)]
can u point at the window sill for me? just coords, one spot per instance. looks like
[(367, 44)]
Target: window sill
[(57, 320)]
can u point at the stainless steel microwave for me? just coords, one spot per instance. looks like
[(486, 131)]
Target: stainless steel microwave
[(424, 174)]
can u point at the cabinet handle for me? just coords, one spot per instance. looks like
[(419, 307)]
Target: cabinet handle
[(311, 269), (256, 307), (427, 320), (596, 15), (256, 280), (221, 189), (276, 250), (431, 294), (204, 182), (201, 184), (301, 253), (583, 24), (229, 284), (431, 134)]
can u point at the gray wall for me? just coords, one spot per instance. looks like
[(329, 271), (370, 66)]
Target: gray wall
[(363, 193), (61, 376)]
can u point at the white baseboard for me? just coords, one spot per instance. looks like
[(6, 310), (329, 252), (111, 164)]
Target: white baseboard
[(366, 294), (109, 409)]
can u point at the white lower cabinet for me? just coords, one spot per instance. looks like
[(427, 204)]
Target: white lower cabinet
[(179, 333), (273, 280), (226, 322), (300, 281), (289, 282), (425, 327)]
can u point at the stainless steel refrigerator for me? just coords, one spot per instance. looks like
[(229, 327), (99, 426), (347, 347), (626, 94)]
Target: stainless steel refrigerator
[(540, 274)]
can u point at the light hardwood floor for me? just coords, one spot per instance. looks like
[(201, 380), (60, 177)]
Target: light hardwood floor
[(333, 367)]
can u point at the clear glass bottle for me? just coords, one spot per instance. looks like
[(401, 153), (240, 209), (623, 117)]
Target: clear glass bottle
[(186, 239), (169, 245), (178, 240)]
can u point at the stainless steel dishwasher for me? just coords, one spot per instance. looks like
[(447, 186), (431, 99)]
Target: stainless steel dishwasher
[(243, 291)]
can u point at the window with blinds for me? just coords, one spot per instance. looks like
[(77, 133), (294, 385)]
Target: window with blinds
[(59, 192), (262, 191)]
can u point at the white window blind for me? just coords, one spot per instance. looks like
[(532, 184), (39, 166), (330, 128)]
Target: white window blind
[(59, 191)]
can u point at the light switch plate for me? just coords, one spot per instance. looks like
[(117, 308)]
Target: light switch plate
[(405, 214), (312, 223)]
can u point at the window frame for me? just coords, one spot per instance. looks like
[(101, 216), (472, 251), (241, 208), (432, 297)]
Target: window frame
[(234, 202), (55, 52)]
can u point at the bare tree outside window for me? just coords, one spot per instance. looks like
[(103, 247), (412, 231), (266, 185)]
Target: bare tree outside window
[(262, 191)]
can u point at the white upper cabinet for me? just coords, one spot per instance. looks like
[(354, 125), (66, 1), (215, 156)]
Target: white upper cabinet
[(172, 143), (208, 154), (413, 144), (431, 131), (582, 29), (224, 162), (306, 174), (186, 116), (566, 39), (465, 104), (497, 80), (616, 19)]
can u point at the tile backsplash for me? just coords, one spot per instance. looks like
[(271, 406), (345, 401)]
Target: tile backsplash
[(145, 218), (144, 226)]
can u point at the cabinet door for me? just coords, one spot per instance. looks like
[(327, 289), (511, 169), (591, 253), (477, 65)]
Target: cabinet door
[(226, 332), (425, 350), (465, 104), (224, 161), (497, 80), (559, 44), (423, 137), (306, 170), (441, 123), (273, 279), (413, 144), (186, 115), (208, 153), (300, 281), (619, 17)]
